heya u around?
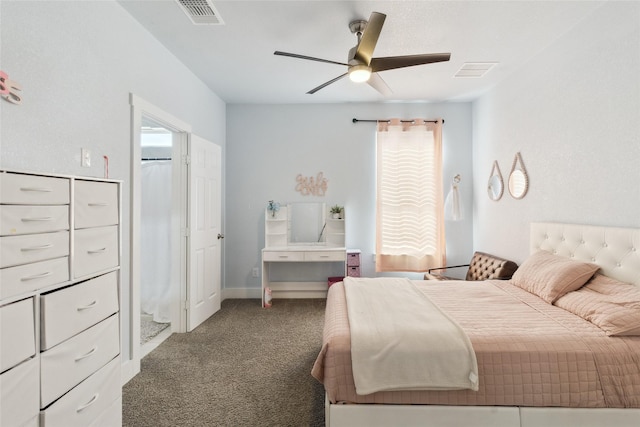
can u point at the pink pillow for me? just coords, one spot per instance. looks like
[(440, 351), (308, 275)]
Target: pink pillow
[(551, 276), (611, 305)]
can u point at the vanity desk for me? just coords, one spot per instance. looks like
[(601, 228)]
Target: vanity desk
[(304, 246)]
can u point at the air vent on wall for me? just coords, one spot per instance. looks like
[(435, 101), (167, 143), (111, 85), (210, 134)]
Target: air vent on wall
[(201, 12), (474, 69)]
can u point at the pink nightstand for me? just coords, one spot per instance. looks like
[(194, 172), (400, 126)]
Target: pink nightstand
[(353, 262)]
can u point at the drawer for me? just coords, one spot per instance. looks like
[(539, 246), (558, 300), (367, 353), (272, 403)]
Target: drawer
[(353, 259), (17, 333), (19, 394), (19, 189), (283, 256), (324, 256), (22, 219), (68, 311), (29, 277), (95, 204), (353, 271), (66, 365), (17, 250), (86, 403), (95, 249), (111, 417)]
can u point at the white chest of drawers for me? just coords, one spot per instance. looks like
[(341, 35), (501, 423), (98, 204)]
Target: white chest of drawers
[(59, 302)]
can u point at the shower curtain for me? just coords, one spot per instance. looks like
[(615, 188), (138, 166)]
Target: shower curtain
[(155, 245)]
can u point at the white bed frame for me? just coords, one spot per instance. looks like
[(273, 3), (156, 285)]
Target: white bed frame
[(617, 252)]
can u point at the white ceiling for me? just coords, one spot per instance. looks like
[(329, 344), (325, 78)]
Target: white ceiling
[(236, 59)]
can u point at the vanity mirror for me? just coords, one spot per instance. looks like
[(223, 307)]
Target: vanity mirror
[(307, 222), (495, 187), (303, 224), (518, 179)]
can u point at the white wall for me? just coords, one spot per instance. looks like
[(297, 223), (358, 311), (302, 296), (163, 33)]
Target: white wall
[(269, 145), (77, 62), (574, 114)]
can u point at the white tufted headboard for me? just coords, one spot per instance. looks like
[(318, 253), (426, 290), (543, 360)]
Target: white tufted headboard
[(615, 250)]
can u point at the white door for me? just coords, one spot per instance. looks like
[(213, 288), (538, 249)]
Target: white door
[(203, 289)]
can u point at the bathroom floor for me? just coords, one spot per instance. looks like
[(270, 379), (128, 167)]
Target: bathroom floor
[(152, 334)]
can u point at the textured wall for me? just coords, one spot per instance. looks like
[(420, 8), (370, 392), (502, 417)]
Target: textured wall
[(77, 62), (268, 145), (573, 114)]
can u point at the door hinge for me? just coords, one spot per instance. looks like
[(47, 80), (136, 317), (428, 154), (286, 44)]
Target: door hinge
[(186, 232), (185, 305), (187, 159)]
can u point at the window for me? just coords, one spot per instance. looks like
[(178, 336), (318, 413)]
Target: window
[(409, 208)]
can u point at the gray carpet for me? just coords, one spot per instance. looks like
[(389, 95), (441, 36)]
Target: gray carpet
[(245, 366)]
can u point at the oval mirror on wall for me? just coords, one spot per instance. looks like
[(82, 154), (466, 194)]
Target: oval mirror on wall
[(518, 179), (495, 187)]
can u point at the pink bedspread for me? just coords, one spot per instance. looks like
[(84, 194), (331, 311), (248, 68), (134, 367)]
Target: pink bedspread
[(529, 352)]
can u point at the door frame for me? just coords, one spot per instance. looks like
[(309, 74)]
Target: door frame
[(139, 109)]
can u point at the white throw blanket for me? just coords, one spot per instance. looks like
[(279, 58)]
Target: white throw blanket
[(400, 340)]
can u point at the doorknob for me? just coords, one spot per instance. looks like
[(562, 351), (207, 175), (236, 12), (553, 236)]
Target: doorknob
[(220, 236)]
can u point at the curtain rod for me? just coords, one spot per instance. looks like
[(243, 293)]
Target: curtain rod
[(354, 120)]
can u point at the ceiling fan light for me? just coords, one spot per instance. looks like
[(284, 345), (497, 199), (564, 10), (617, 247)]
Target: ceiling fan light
[(359, 73)]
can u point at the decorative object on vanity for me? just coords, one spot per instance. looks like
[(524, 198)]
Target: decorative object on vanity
[(311, 186), (273, 207), (518, 178), (336, 211), (361, 66), (453, 210), (495, 187)]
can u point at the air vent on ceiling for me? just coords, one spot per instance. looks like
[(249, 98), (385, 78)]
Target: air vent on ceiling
[(201, 12), (474, 69)]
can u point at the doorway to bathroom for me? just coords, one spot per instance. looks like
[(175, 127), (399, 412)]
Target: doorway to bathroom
[(156, 181)]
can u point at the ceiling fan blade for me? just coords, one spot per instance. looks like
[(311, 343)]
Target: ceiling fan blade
[(369, 39), (376, 82), (315, 89), (310, 58), (392, 62)]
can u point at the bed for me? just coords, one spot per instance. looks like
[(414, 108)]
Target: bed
[(546, 366)]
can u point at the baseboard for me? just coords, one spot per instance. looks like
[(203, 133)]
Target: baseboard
[(241, 293)]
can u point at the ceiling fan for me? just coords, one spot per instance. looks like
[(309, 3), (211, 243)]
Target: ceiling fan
[(362, 67)]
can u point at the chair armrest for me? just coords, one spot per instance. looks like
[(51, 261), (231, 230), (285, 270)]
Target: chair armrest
[(449, 266), (439, 276)]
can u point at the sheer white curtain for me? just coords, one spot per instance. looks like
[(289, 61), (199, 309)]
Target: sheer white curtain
[(409, 207), (155, 256)]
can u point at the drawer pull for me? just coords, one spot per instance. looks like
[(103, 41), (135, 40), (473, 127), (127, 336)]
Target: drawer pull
[(37, 248), (97, 251), (87, 354), (89, 403), (98, 204), (283, 256), (36, 276), (37, 189), (88, 306), (42, 218)]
